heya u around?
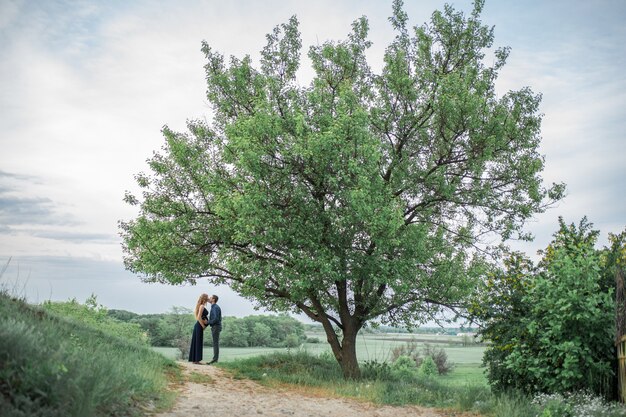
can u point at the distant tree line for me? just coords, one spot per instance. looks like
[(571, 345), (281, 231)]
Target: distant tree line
[(175, 327), (437, 330)]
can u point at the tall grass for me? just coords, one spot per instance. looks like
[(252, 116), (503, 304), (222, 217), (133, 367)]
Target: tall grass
[(380, 383), (54, 366), (385, 384)]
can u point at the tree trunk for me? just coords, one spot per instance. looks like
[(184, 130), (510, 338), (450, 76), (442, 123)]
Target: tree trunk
[(349, 363), (344, 350)]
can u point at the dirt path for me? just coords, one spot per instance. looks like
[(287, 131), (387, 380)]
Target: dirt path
[(217, 393)]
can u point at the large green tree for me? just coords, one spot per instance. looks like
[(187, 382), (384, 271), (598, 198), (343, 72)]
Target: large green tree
[(358, 196)]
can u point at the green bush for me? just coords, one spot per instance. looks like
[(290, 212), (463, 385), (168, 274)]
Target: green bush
[(404, 368), (292, 341), (428, 368), (552, 326), (567, 342), (411, 349), (439, 357)]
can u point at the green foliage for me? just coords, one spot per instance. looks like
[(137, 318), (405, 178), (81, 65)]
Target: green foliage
[(122, 315), (53, 365), (500, 308), (381, 385), (404, 368), (151, 324), (552, 327), (95, 315), (568, 343), (375, 370), (175, 327), (237, 334), (292, 341), (359, 196), (262, 330), (411, 349), (428, 368), (439, 358), (261, 334)]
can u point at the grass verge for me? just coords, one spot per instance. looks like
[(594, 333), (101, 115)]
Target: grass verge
[(382, 384), (379, 383), (54, 366)]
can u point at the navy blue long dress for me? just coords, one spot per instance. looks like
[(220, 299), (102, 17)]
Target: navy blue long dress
[(195, 352)]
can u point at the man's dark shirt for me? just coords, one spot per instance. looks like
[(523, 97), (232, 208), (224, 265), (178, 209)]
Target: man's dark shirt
[(215, 316)]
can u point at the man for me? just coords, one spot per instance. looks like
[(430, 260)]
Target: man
[(215, 321)]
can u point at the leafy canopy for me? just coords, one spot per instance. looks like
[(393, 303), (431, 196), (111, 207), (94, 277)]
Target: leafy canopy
[(355, 196)]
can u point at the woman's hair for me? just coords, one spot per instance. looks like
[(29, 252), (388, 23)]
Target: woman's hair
[(201, 301)]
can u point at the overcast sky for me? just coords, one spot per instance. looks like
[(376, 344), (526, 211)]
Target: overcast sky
[(87, 86)]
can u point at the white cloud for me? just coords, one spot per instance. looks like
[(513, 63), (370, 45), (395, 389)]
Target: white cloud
[(87, 87), (9, 10)]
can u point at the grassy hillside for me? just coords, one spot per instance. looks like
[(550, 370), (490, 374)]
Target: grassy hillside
[(53, 364)]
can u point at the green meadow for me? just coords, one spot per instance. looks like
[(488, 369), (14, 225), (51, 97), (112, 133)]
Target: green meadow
[(373, 347)]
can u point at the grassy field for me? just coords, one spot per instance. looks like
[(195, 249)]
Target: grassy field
[(376, 347)]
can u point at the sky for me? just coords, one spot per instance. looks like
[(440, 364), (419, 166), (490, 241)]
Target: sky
[(87, 87)]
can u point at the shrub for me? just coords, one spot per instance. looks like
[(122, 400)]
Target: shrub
[(404, 368), (292, 341), (411, 350), (439, 357), (182, 345), (375, 370), (428, 368), (567, 343), (552, 326)]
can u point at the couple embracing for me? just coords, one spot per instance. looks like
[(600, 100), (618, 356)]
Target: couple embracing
[(206, 318)]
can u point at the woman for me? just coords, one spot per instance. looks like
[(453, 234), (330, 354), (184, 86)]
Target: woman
[(201, 313)]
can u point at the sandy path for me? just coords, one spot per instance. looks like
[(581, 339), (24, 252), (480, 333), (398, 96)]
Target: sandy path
[(225, 396)]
